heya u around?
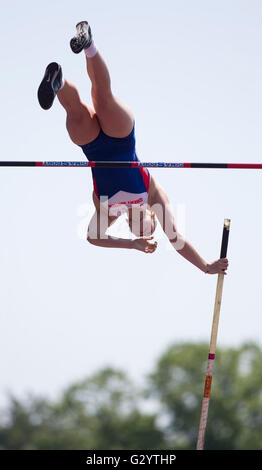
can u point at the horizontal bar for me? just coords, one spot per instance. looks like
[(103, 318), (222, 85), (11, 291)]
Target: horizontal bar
[(110, 164)]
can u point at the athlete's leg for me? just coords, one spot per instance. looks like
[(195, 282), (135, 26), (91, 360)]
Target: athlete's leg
[(115, 118), (82, 124), (81, 121)]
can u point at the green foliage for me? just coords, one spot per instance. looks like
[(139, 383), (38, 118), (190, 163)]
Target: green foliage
[(105, 411), (98, 413), (235, 411)]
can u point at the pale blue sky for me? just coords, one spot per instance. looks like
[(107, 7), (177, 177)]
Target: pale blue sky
[(191, 71)]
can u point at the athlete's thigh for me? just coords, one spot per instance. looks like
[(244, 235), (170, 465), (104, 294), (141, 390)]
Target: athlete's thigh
[(115, 118), (82, 126)]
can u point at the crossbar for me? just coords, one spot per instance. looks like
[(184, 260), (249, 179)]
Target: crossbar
[(120, 164)]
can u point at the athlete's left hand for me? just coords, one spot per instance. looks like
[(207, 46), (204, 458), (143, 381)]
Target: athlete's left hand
[(145, 244)]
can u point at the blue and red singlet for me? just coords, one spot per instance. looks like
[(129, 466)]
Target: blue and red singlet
[(122, 186)]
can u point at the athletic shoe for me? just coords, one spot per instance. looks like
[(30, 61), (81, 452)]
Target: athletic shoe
[(83, 38), (50, 85)]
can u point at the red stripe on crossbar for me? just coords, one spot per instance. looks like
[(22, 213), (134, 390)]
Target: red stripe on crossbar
[(257, 166), (38, 163)]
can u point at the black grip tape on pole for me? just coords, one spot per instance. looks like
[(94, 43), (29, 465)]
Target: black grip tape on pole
[(225, 236)]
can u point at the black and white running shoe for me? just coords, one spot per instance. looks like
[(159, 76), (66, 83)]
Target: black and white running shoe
[(83, 38), (50, 85)]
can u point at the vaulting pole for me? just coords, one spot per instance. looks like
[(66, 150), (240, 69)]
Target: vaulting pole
[(116, 164), (213, 341)]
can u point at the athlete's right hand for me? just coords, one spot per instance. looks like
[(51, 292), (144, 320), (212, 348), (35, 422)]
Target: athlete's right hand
[(146, 244)]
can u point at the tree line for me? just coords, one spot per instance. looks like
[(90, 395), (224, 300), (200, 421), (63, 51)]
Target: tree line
[(107, 410)]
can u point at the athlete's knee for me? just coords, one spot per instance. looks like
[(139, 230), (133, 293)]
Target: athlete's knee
[(74, 124), (80, 116), (75, 112)]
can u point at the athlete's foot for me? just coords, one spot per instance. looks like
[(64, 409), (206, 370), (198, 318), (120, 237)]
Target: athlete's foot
[(83, 38), (50, 85)]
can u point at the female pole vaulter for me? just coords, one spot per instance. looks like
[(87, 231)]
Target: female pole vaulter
[(106, 132)]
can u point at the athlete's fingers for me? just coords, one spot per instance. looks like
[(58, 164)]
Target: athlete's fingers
[(224, 261), (223, 271), (222, 267), (150, 246), (150, 250), (152, 243)]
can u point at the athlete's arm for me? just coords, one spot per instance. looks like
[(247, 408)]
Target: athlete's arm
[(161, 206), (111, 242), (140, 244), (97, 236), (97, 233)]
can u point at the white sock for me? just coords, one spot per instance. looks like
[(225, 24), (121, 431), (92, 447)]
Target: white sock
[(91, 50)]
